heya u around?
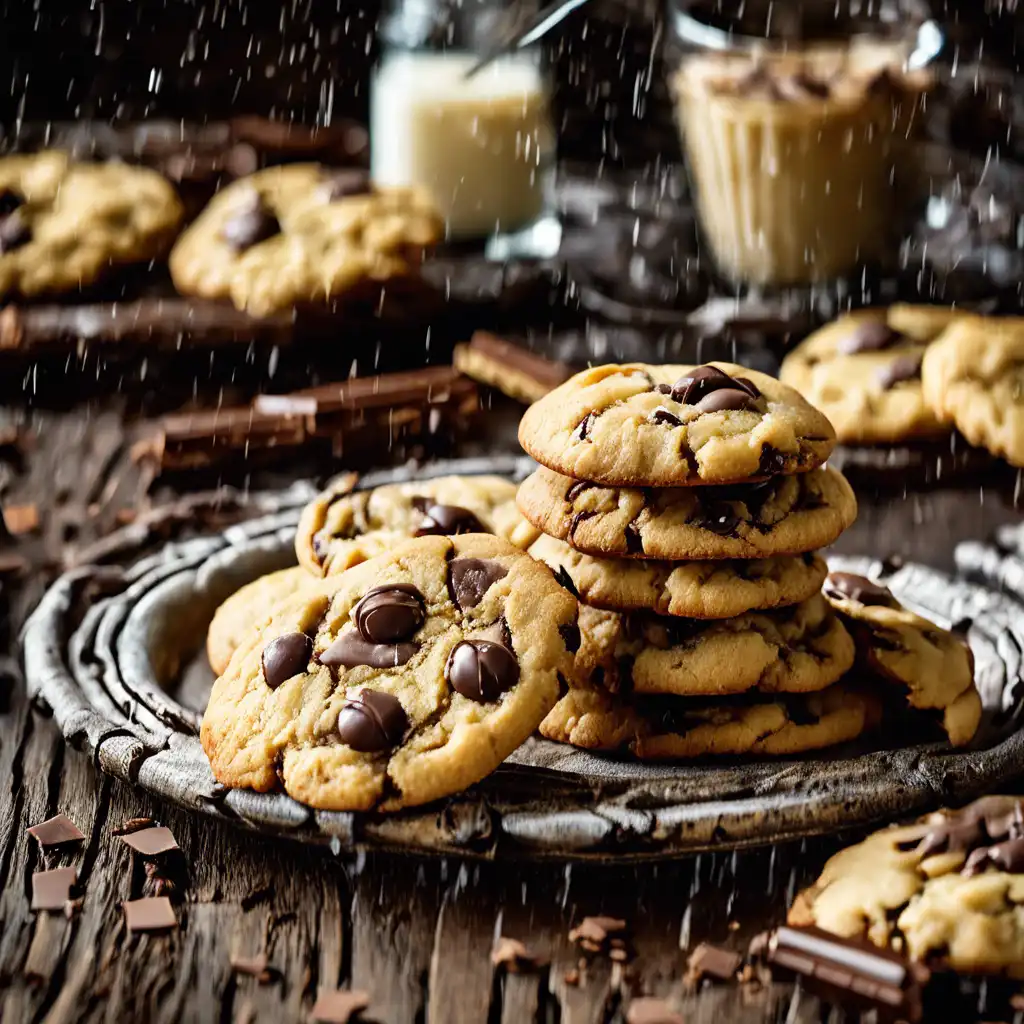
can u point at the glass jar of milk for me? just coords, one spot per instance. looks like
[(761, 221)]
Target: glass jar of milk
[(481, 141)]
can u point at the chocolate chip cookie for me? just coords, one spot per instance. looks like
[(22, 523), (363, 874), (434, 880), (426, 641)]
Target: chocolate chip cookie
[(302, 235), (793, 650), (785, 515), (864, 372), (934, 665), (947, 891), (973, 378), (248, 610), (698, 590), (405, 679), (667, 728), (65, 225), (339, 528), (667, 426)]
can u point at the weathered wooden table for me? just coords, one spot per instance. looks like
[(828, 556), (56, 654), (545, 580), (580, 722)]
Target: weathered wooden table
[(416, 934)]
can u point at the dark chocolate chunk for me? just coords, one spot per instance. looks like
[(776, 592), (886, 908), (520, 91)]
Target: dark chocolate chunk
[(634, 542), (9, 201), (251, 223), (1006, 856), (848, 586), (372, 721), (662, 415), (900, 370), (470, 578), (15, 231), (719, 518), (350, 650), (772, 461), (700, 381), (868, 336), (481, 670), (726, 399), (284, 657), (390, 613), (565, 581), (571, 637), (448, 521), (343, 183)]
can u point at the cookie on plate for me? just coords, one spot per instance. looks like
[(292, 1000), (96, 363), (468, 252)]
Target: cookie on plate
[(973, 378), (403, 680), (667, 728), (639, 425), (863, 371), (302, 235), (248, 610), (341, 528), (65, 225), (785, 515), (947, 891), (934, 665), (697, 590), (792, 650)]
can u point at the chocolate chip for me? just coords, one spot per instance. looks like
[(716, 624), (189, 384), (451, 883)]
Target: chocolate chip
[(748, 385), (577, 489), (388, 614), (372, 721), (663, 389), (9, 201), (1007, 856), (565, 581), (634, 542), (470, 578), (848, 586), (772, 462), (571, 636), (662, 415), (700, 381), (15, 232), (481, 670), (900, 370), (448, 520), (726, 399), (583, 427), (344, 183), (719, 519), (351, 650), (868, 336), (284, 657), (251, 223)]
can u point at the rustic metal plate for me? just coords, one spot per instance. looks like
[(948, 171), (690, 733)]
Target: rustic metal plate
[(115, 651)]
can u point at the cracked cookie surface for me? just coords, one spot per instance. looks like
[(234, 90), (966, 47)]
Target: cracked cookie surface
[(341, 528), (248, 610), (947, 891), (893, 643), (408, 678), (303, 234), (668, 728), (793, 650), (973, 378), (662, 426), (863, 371), (699, 590), (65, 225), (786, 515)]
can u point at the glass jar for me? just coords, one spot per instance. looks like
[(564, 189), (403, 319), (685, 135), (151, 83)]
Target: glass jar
[(482, 143), (798, 123)]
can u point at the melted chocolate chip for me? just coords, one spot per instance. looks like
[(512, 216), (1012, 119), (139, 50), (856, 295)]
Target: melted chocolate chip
[(869, 336), (848, 586), (772, 461), (470, 578), (344, 183), (634, 542), (372, 722), (350, 650), (900, 370), (726, 399), (748, 385), (388, 614), (481, 670), (983, 822), (583, 428), (577, 489), (15, 231), (284, 657), (251, 223), (719, 519), (447, 520), (1005, 856), (662, 415), (9, 201), (700, 381), (571, 636)]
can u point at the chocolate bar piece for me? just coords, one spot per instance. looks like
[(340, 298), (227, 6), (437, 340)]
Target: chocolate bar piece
[(850, 972), (511, 369)]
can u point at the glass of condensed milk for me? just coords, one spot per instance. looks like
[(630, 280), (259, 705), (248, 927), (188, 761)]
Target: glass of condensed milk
[(480, 140)]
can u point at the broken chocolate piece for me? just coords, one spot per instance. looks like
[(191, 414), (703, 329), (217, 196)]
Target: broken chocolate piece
[(700, 381), (52, 889), (847, 586), (284, 657), (512, 369), (481, 670), (338, 1006), (55, 831), (251, 223), (150, 914), (350, 650), (470, 578), (372, 722), (151, 842), (390, 613)]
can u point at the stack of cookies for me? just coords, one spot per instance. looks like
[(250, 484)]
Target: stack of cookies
[(685, 507)]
